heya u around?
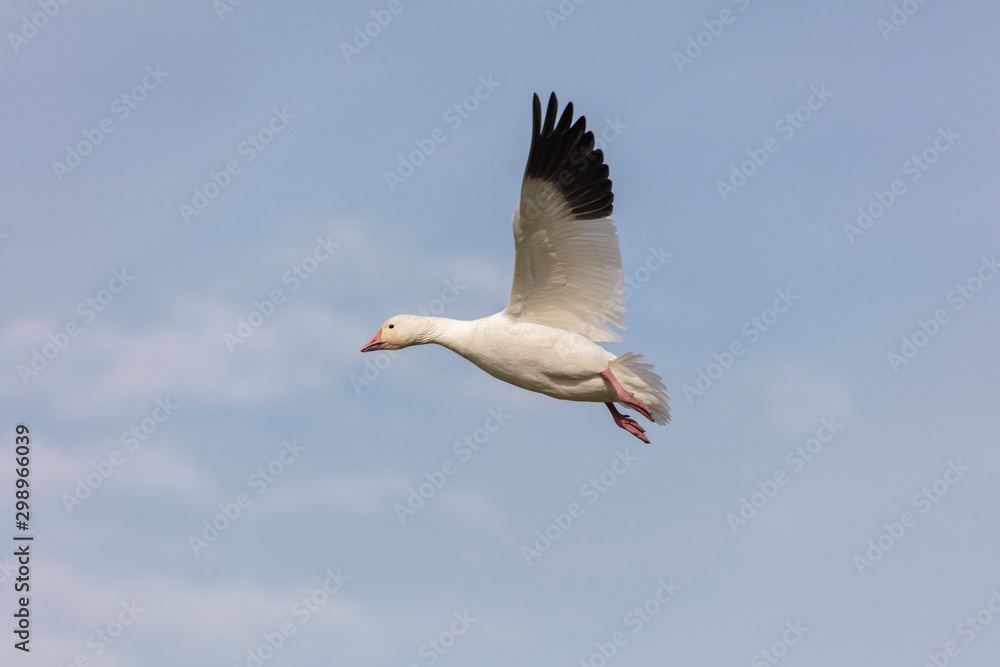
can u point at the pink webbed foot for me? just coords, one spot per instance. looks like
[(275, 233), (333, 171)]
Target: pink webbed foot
[(627, 423), (627, 397)]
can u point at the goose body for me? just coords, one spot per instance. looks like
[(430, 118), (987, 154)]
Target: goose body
[(550, 361), (568, 288)]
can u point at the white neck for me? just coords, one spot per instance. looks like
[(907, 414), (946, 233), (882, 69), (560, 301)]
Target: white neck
[(452, 334)]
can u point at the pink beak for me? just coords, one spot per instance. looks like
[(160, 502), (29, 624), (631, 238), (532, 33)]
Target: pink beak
[(376, 343)]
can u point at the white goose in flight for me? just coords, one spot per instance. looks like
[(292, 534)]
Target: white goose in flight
[(568, 288)]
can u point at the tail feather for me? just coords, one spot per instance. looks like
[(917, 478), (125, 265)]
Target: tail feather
[(640, 378)]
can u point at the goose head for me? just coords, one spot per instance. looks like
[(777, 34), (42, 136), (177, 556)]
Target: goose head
[(398, 332)]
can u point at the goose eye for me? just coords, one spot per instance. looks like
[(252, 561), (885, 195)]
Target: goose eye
[(391, 325)]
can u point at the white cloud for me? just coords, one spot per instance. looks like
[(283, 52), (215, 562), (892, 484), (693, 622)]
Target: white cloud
[(789, 395), (162, 469), (220, 618), (356, 493), (476, 509), (183, 355)]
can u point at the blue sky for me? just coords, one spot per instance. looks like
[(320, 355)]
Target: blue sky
[(827, 444)]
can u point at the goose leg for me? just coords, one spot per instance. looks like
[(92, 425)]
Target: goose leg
[(627, 423), (627, 397)]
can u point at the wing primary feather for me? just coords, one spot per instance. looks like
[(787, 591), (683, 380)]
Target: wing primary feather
[(550, 115), (562, 153), (565, 120)]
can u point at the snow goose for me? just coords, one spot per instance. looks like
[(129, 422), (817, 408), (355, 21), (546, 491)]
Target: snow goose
[(568, 288)]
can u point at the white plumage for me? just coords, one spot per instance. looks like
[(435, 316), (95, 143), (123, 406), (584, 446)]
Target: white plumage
[(567, 272), (567, 292)]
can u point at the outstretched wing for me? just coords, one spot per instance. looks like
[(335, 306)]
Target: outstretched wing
[(568, 267)]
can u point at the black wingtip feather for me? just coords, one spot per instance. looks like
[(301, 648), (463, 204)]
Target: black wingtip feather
[(564, 155)]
